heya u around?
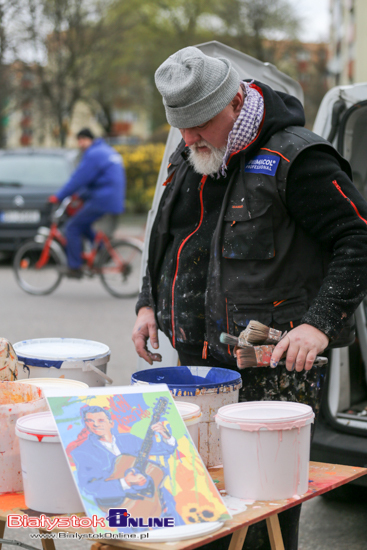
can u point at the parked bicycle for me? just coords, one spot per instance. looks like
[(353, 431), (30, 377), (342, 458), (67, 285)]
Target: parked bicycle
[(39, 264)]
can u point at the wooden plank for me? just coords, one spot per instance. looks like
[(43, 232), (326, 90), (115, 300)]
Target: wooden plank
[(275, 534), (47, 544), (238, 538), (2, 530), (323, 478)]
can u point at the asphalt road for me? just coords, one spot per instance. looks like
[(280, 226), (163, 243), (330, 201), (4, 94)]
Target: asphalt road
[(83, 309)]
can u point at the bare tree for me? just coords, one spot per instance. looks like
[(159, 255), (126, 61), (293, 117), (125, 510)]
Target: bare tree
[(105, 52), (64, 36), (8, 10), (248, 23)]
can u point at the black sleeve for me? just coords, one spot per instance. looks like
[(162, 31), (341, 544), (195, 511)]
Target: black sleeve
[(323, 200), (145, 296)]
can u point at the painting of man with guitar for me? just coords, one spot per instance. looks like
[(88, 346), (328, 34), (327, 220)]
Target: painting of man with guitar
[(129, 449), (116, 468)]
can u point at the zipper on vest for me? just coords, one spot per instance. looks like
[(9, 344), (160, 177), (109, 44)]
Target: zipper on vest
[(169, 179), (205, 350), (201, 187), (276, 304), (228, 348)]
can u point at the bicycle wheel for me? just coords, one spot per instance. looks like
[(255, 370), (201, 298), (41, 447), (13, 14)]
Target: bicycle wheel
[(34, 280), (120, 269)]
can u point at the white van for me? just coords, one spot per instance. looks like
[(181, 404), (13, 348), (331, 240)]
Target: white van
[(341, 434)]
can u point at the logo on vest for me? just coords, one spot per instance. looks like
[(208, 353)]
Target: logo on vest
[(263, 164)]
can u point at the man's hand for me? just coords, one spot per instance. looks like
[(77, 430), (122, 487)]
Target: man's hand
[(158, 427), (303, 343), (53, 199), (135, 479), (144, 328)]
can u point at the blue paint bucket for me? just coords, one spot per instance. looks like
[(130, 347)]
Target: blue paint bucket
[(185, 381), (208, 387)]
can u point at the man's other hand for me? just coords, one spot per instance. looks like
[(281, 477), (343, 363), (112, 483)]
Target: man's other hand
[(53, 199), (302, 345), (135, 479), (146, 328)]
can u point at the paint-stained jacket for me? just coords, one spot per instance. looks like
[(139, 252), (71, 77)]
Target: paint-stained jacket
[(286, 242)]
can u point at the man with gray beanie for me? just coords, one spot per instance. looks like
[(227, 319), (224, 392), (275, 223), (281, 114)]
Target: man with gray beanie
[(259, 220)]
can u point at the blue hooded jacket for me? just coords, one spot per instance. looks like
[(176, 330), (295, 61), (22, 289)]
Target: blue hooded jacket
[(99, 178)]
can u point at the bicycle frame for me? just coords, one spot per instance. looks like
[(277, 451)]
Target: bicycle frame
[(54, 234), (89, 257)]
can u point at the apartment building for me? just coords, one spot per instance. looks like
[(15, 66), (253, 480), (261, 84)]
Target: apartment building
[(348, 42)]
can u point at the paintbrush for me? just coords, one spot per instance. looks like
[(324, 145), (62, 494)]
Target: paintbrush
[(230, 340), (254, 356), (252, 336), (257, 333)]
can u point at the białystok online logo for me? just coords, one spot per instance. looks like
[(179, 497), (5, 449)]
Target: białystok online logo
[(120, 517), (117, 517)]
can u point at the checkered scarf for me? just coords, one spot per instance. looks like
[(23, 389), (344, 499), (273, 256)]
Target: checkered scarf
[(247, 125)]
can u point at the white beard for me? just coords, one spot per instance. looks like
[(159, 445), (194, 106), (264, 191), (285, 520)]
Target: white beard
[(206, 162)]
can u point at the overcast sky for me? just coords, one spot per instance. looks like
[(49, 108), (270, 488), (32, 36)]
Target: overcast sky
[(315, 16)]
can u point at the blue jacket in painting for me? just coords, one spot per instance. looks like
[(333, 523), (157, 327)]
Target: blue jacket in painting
[(95, 463), (99, 178)]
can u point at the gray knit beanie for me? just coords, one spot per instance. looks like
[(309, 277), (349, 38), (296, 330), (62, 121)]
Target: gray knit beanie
[(195, 87)]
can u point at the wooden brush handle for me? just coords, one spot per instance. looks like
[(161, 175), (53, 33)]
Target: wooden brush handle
[(263, 355), (255, 356)]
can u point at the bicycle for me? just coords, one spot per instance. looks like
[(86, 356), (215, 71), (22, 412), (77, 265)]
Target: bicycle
[(39, 263)]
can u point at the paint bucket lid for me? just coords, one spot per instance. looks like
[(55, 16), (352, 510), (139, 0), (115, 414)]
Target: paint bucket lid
[(55, 351), (182, 532), (45, 383), (185, 381), (269, 415), (189, 412), (37, 426)]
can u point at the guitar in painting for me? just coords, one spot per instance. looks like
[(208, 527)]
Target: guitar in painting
[(143, 501)]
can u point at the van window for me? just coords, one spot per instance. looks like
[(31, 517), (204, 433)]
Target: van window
[(354, 147)]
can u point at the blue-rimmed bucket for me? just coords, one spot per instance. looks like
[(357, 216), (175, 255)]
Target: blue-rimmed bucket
[(208, 387), (71, 358)]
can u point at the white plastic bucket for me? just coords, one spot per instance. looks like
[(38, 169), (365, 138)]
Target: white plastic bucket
[(265, 449), (45, 383), (72, 358), (208, 387), (191, 415), (48, 483), (51, 383), (16, 400)]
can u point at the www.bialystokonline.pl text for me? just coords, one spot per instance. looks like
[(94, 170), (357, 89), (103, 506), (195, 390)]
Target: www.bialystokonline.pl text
[(79, 536)]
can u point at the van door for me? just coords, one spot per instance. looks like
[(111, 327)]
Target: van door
[(342, 118), (248, 68)]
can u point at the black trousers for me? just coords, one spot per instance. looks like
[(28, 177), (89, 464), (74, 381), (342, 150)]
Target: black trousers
[(267, 384)]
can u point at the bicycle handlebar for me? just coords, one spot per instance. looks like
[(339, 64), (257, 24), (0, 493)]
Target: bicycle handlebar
[(60, 210)]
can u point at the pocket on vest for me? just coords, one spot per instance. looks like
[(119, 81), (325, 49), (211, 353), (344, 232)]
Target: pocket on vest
[(281, 315), (249, 235)]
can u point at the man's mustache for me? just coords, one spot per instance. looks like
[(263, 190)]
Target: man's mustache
[(201, 143)]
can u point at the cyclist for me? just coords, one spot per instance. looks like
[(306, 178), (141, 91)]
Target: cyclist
[(100, 180)]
